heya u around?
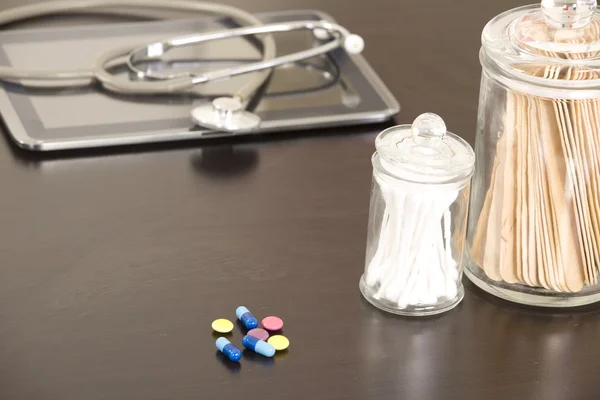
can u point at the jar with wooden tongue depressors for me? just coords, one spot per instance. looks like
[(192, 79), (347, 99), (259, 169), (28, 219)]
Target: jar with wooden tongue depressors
[(417, 219), (534, 222)]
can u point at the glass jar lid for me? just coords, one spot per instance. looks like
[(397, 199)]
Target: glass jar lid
[(554, 41), (425, 152)]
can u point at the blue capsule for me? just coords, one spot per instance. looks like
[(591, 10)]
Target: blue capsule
[(247, 319), (230, 351), (258, 346)]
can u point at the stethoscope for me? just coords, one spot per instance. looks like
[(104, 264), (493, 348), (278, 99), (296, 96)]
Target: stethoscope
[(227, 113)]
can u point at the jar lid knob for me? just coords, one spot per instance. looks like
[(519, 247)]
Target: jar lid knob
[(428, 130), (569, 14)]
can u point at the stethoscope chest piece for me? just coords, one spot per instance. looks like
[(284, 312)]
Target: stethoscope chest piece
[(225, 114)]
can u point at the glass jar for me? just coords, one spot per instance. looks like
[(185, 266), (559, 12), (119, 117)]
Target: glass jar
[(534, 220), (418, 218)]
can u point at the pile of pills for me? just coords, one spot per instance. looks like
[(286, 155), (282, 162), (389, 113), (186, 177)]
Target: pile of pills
[(257, 339)]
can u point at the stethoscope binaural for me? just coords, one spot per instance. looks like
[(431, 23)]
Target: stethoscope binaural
[(224, 113), (228, 113)]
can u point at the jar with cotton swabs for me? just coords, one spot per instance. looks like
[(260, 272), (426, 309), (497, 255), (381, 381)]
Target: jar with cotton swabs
[(417, 219)]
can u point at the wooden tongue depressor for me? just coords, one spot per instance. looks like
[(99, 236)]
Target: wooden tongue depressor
[(571, 187), (521, 210), (477, 248), (548, 233), (569, 257), (531, 248), (529, 267), (537, 268), (507, 254), (491, 252), (555, 251), (546, 230), (543, 260)]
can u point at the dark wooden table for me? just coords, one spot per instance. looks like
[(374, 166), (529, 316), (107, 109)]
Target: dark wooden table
[(113, 264)]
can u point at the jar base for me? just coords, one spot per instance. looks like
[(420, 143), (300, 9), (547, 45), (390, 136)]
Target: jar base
[(410, 311), (537, 297)]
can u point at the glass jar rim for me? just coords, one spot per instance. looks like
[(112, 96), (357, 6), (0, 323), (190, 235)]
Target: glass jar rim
[(425, 152), (506, 46)]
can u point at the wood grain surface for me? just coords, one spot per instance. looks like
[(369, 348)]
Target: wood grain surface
[(114, 263)]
